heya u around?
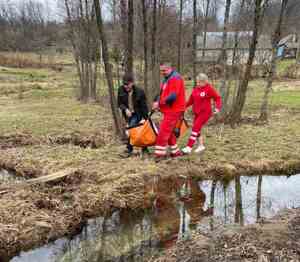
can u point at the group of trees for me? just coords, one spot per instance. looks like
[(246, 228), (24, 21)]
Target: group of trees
[(26, 26), (134, 36)]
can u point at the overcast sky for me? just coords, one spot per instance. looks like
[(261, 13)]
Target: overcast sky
[(54, 11)]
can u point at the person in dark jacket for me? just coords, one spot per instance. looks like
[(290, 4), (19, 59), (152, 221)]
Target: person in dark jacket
[(133, 104)]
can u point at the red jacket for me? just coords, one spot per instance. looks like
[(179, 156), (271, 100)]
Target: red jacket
[(172, 94), (201, 99)]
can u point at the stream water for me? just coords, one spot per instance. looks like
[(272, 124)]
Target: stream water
[(205, 205)]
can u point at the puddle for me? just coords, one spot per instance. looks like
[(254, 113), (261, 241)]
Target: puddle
[(177, 210)]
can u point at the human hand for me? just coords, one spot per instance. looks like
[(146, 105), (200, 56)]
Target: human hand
[(155, 106), (216, 111), (128, 113)]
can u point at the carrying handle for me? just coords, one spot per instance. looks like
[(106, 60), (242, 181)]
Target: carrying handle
[(152, 112)]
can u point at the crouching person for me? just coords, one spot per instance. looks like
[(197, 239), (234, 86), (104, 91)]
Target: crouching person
[(171, 103), (133, 104), (200, 99)]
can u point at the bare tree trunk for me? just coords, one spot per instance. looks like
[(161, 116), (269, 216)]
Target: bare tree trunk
[(298, 51), (155, 86), (235, 60), (205, 26), (275, 40), (194, 40), (129, 63), (223, 90), (84, 42), (179, 58), (237, 108), (108, 69), (146, 69), (123, 18)]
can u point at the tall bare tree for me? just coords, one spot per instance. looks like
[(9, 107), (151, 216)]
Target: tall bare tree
[(154, 49), (130, 35), (108, 68), (195, 40), (225, 92), (84, 40), (272, 71), (179, 47), (146, 62), (239, 102), (206, 14)]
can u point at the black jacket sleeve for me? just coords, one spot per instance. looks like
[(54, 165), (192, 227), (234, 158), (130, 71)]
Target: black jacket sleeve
[(121, 101)]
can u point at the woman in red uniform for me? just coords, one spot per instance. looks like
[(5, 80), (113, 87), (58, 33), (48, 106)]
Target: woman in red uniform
[(200, 99)]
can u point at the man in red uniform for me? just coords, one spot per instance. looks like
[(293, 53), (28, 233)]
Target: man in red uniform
[(171, 103)]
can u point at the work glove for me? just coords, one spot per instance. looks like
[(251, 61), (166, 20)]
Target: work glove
[(171, 99)]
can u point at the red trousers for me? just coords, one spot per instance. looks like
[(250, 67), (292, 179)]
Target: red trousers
[(199, 121), (166, 136)]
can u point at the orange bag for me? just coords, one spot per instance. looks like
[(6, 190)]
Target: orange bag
[(143, 135)]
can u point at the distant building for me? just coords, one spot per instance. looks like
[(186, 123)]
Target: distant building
[(286, 48)]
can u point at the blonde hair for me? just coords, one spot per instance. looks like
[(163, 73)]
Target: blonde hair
[(202, 77)]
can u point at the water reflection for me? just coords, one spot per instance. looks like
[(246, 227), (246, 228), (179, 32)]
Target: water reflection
[(174, 208), (245, 200)]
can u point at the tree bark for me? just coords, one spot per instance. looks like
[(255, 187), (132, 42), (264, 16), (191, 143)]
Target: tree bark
[(155, 80), (124, 24), (276, 38), (237, 108), (146, 64), (298, 51), (179, 50), (108, 69), (129, 63), (194, 41), (205, 27), (223, 90)]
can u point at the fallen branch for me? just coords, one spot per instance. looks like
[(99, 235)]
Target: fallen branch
[(34, 181)]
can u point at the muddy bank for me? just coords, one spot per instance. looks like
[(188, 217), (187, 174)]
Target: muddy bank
[(41, 213), (178, 207), (83, 140), (276, 239)]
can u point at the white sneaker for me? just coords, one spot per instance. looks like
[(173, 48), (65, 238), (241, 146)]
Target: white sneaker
[(200, 149), (186, 150)]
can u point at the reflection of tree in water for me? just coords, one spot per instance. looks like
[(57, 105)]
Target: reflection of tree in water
[(239, 214), (258, 197)]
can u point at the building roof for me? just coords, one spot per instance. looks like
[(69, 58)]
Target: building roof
[(214, 40)]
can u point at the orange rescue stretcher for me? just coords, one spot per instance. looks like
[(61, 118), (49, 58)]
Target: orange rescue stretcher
[(144, 133)]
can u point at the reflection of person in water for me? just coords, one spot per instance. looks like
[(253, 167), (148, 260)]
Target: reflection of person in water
[(178, 204)]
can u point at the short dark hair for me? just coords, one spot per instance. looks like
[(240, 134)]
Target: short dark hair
[(128, 78), (166, 63)]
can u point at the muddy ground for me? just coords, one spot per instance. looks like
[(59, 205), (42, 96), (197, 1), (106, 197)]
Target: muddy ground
[(276, 239)]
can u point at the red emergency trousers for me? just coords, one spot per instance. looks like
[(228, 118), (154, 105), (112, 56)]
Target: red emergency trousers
[(201, 100), (171, 114)]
